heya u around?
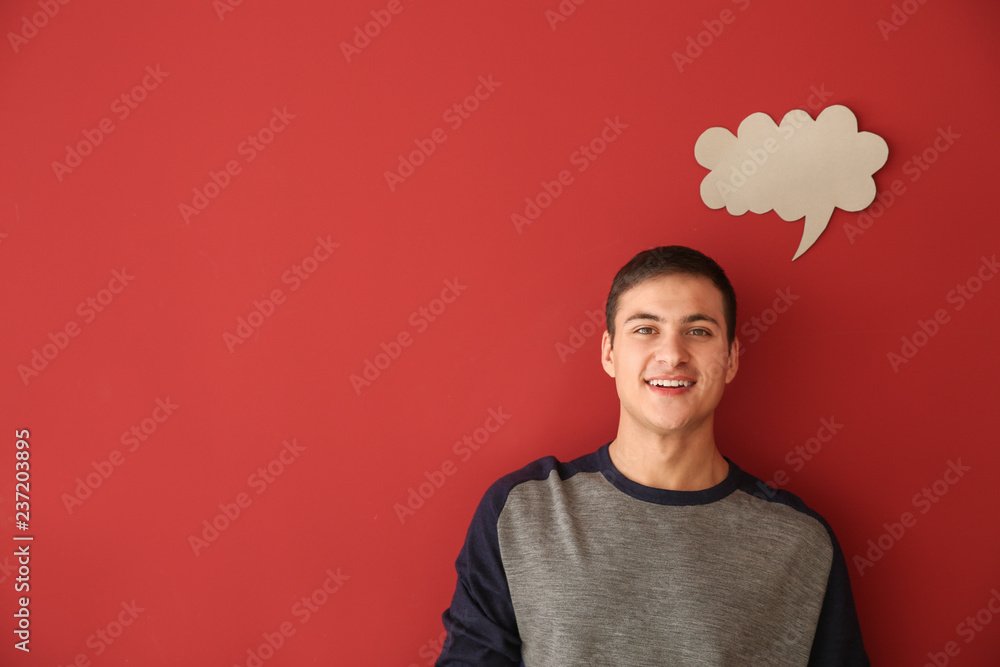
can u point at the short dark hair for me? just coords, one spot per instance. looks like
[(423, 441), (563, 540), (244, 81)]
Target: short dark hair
[(667, 261)]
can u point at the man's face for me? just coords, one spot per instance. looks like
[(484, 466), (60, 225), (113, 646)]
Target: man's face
[(670, 359)]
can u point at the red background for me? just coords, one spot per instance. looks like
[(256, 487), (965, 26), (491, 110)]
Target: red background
[(496, 346)]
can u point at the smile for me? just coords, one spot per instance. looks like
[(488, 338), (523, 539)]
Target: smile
[(670, 383)]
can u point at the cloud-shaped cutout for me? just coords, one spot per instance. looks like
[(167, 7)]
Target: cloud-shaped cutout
[(799, 168)]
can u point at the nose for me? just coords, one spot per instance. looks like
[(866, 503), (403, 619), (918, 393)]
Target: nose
[(672, 350)]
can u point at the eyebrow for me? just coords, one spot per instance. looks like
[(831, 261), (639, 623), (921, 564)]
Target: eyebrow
[(694, 317)]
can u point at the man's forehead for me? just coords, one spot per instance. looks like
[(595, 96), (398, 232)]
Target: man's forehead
[(664, 296)]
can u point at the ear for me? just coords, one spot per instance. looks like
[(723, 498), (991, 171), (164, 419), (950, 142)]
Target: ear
[(733, 363), (607, 358)]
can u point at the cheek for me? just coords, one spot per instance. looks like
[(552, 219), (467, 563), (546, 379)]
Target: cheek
[(625, 374), (718, 366), (632, 366)]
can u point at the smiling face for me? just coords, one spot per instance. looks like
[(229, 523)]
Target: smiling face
[(670, 360)]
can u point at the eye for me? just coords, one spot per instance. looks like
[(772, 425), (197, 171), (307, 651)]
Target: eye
[(700, 332), (645, 330)]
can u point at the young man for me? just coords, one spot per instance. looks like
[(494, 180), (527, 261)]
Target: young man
[(655, 549)]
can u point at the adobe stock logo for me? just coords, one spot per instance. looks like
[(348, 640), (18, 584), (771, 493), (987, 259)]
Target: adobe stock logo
[(268, 304), (566, 8), (798, 456), (38, 20), (303, 609), (250, 148), (59, 340), (581, 158), (101, 639), (420, 319), (695, 45), (418, 494), (122, 106), (593, 323), (800, 168), (229, 511), (898, 18), (959, 297), (758, 326), (103, 469), (455, 116), (923, 500), (915, 167), (362, 38), (968, 629)]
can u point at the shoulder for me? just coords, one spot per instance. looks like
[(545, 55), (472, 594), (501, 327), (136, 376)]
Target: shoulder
[(546, 468), (790, 508)]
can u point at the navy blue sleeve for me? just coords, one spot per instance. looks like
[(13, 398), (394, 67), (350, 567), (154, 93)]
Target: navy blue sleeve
[(838, 634), (482, 629)]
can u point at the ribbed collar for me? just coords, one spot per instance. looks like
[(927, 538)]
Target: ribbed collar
[(665, 496)]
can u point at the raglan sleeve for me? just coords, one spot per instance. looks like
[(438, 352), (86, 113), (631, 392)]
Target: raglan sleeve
[(837, 642), (481, 627)]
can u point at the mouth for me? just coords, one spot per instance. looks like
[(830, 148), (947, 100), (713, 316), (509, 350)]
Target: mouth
[(671, 384)]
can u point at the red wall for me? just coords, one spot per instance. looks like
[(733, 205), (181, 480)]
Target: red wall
[(428, 277)]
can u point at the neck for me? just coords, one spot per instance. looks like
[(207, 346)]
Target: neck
[(688, 462)]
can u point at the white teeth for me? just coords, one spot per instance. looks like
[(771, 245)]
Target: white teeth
[(670, 383)]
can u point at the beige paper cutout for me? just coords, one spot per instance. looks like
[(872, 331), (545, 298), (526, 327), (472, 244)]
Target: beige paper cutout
[(799, 168)]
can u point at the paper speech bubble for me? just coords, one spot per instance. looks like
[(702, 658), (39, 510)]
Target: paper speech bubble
[(799, 168)]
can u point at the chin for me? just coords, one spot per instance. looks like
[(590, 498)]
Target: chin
[(673, 424), (667, 426)]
